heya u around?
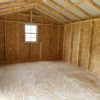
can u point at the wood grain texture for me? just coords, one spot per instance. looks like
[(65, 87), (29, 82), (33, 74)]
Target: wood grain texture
[(2, 42), (95, 55), (40, 33), (85, 44), (75, 44), (55, 43), (17, 50), (37, 17), (61, 38), (35, 52), (47, 81), (11, 41), (47, 33), (68, 42), (24, 52), (86, 31)]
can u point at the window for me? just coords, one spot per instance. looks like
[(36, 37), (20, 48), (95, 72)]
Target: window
[(30, 33)]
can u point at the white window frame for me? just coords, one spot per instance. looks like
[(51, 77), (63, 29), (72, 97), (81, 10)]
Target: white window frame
[(26, 33)]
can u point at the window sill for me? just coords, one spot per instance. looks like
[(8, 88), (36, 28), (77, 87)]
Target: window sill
[(30, 42)]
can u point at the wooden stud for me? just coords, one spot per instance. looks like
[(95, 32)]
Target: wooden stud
[(90, 49), (31, 16)]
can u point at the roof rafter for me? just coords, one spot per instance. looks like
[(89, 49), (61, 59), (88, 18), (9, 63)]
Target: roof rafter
[(12, 4), (65, 9), (54, 12), (19, 8), (57, 11), (33, 15), (53, 17), (75, 5), (94, 4), (45, 16)]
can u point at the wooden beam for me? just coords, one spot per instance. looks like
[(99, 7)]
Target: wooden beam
[(6, 1), (66, 10), (54, 13), (26, 22), (31, 18), (94, 4), (47, 14), (57, 12), (44, 10), (33, 15), (18, 9), (8, 5), (80, 9)]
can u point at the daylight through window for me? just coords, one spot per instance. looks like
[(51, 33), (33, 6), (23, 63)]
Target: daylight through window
[(30, 33)]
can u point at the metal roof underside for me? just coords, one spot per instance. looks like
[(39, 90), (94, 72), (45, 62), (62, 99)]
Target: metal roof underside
[(64, 11)]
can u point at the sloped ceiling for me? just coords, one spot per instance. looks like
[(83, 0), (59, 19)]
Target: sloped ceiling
[(64, 11)]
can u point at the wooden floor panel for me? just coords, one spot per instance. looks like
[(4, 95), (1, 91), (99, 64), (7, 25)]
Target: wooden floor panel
[(47, 81)]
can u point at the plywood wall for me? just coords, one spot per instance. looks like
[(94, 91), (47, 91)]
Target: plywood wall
[(13, 47), (86, 31), (2, 42), (61, 38), (75, 43), (47, 34), (67, 42), (11, 41), (95, 48), (25, 17), (82, 44)]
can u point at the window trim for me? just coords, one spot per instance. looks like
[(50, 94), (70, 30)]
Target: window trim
[(34, 33)]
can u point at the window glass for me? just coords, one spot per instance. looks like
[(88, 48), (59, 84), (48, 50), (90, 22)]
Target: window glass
[(30, 33)]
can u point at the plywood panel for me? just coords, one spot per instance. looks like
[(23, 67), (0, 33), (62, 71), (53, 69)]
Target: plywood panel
[(86, 30), (2, 42), (35, 51), (61, 38), (11, 41), (12, 17), (46, 47), (85, 44), (40, 33), (55, 43), (64, 43), (23, 18), (21, 32), (75, 43), (95, 56), (24, 52), (68, 40), (37, 20)]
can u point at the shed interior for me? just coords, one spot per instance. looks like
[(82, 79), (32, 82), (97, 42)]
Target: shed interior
[(55, 40)]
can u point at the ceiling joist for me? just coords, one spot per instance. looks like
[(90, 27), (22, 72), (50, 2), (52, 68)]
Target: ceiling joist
[(63, 11), (49, 11), (53, 17), (18, 8), (76, 6), (54, 11), (94, 4)]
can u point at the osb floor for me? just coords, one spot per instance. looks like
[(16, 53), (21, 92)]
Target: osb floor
[(47, 81)]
